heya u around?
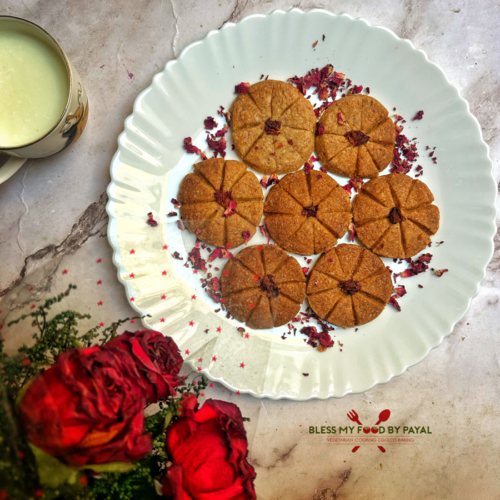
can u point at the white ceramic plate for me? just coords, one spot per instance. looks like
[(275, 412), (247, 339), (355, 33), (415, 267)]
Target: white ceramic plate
[(150, 162)]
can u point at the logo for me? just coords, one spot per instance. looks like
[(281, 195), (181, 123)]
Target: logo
[(383, 417), (376, 435)]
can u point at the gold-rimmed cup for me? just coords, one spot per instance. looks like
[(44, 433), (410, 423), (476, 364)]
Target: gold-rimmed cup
[(43, 103)]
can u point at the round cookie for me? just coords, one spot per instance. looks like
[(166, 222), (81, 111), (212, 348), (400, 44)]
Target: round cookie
[(394, 216), (349, 286), (307, 213), (220, 201), (358, 138), (263, 286), (273, 127)]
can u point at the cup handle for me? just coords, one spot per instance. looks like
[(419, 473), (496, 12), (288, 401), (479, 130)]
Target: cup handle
[(10, 167)]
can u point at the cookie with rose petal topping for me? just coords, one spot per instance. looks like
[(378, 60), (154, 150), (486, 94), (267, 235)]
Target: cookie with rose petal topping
[(263, 286), (358, 137), (349, 286), (221, 202), (394, 216), (307, 213), (273, 127)]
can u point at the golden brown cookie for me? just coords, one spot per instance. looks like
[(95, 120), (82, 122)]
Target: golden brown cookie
[(358, 138), (307, 213), (349, 286), (394, 215), (221, 202), (273, 127), (263, 286)]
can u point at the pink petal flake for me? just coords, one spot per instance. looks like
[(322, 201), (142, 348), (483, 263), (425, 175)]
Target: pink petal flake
[(242, 88)]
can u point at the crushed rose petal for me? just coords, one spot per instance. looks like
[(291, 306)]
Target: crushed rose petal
[(242, 88), (180, 225), (264, 232), (320, 129), (394, 303), (231, 209), (357, 138), (246, 235), (194, 256), (272, 127), (440, 272), (210, 123), (419, 115), (151, 220)]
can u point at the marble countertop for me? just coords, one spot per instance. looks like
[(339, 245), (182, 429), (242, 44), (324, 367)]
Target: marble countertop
[(53, 231)]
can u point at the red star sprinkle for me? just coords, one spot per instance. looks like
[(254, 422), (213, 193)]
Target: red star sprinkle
[(101, 324), (31, 288), (132, 251), (99, 282), (223, 300), (99, 303), (202, 394), (199, 368), (225, 273), (132, 275), (132, 299), (211, 385), (214, 358), (237, 393), (163, 297), (99, 261), (33, 306), (165, 247), (1, 326), (219, 329), (193, 297), (187, 351), (252, 306), (191, 323), (162, 320), (132, 320), (242, 365), (247, 336), (195, 271), (200, 360), (255, 277), (164, 273), (65, 271)]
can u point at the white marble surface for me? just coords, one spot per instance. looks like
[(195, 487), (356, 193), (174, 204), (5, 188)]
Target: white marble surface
[(53, 219)]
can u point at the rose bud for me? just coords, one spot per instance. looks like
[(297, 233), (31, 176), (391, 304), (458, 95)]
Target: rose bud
[(208, 449), (157, 361), (87, 409)]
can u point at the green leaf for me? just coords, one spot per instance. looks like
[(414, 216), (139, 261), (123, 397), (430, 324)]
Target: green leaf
[(168, 419), (52, 472), (111, 467)]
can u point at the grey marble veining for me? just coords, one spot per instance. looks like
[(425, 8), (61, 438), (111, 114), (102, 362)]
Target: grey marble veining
[(53, 219)]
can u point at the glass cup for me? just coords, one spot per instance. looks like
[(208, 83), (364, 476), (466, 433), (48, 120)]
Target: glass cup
[(43, 104)]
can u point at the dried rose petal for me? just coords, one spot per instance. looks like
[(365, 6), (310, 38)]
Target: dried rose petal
[(210, 123), (223, 198), (305, 270), (315, 43), (231, 209), (307, 167), (246, 235), (352, 231), (175, 202), (350, 286), (222, 132), (400, 290), (357, 138), (190, 147), (320, 128), (272, 127), (194, 256), (180, 226), (151, 221), (214, 255), (340, 120), (242, 88), (419, 115), (395, 215), (217, 146), (440, 272), (172, 214), (264, 232), (310, 211), (394, 303)]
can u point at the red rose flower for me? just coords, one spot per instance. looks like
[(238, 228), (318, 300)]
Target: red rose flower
[(157, 359), (87, 409), (188, 403), (208, 450)]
